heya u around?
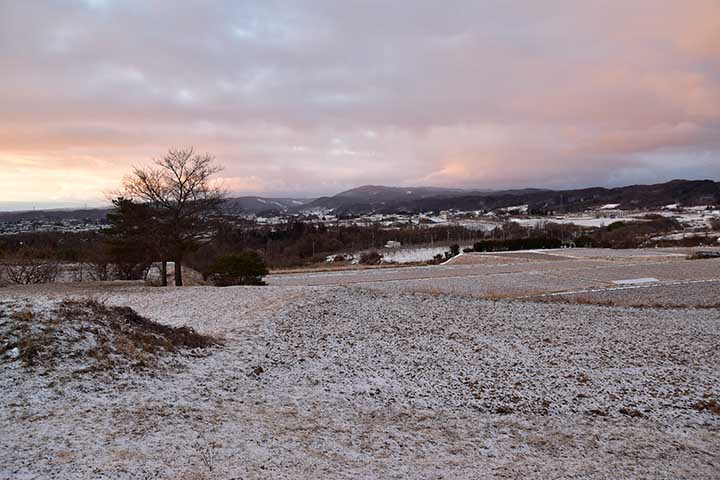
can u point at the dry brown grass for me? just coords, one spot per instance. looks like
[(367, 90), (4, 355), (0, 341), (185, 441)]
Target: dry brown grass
[(710, 405), (575, 299), (343, 267), (95, 337), (138, 331)]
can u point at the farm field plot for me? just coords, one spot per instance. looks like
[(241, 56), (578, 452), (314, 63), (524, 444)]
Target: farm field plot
[(663, 271), (346, 382), (527, 273), (581, 253), (624, 254), (491, 286), (348, 277), (697, 294), (474, 258)]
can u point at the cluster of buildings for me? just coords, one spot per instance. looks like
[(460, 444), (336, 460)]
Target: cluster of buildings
[(60, 226), (698, 218), (694, 217)]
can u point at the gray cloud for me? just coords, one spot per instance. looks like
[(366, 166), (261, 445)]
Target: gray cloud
[(312, 97)]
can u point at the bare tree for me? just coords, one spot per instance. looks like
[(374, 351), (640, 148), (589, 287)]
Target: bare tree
[(27, 270), (179, 189)]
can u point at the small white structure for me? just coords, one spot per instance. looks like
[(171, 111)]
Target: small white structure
[(393, 244)]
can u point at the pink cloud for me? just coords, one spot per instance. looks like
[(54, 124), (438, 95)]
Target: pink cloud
[(485, 94)]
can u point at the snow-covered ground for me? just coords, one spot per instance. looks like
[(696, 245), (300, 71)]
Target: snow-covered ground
[(581, 221), (346, 382), (399, 254), (413, 255), (690, 219)]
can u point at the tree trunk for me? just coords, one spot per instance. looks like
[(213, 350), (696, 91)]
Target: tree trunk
[(163, 273), (178, 273)]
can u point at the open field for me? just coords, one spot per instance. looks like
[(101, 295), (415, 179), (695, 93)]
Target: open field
[(622, 277), (391, 373)]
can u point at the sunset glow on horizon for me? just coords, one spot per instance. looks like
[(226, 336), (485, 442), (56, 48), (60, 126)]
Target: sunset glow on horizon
[(311, 98)]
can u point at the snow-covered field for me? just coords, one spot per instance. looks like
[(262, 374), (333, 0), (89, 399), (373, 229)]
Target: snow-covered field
[(581, 221), (695, 294), (413, 255), (694, 219), (350, 382), (402, 254)]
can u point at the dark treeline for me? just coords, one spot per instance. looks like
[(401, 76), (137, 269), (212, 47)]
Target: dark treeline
[(285, 245), (60, 246), (297, 243)]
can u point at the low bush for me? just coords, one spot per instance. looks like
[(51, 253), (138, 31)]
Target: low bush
[(22, 270), (616, 226), (371, 258), (453, 252), (437, 259), (245, 268)]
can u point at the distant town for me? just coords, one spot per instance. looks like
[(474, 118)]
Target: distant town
[(696, 221)]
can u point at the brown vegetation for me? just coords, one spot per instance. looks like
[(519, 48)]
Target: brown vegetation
[(88, 336), (710, 405)]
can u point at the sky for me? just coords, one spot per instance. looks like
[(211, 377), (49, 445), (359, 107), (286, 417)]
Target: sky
[(304, 98)]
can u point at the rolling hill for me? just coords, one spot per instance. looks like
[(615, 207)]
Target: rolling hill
[(379, 199)]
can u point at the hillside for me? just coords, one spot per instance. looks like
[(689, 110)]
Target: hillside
[(389, 199), (379, 198), (233, 205), (55, 215), (261, 205)]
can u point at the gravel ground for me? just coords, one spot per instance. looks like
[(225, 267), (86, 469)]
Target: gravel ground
[(346, 382)]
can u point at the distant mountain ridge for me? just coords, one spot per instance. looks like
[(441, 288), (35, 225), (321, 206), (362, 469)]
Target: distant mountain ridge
[(257, 205), (383, 199), (56, 215), (378, 199)]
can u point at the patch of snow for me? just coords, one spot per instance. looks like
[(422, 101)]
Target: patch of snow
[(636, 281), (412, 255), (516, 209), (579, 221)]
